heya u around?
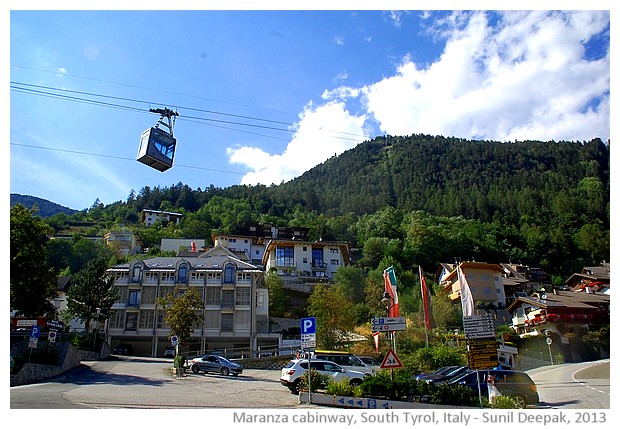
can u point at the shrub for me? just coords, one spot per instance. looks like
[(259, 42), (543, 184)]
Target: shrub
[(504, 402), (179, 361), (453, 394), (343, 388), (384, 385), (318, 381)]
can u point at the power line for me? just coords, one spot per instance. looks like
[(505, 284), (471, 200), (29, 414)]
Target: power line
[(152, 89), (28, 88), (118, 157)]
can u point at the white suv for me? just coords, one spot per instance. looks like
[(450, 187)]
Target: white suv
[(292, 372)]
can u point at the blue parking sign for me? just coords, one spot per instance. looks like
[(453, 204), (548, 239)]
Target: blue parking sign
[(308, 325), (34, 332)]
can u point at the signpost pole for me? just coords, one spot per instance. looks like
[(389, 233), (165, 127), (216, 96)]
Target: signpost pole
[(308, 341)]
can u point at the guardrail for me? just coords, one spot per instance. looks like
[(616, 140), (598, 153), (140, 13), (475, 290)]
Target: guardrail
[(247, 353)]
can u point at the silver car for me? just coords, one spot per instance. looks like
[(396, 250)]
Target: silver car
[(215, 364)]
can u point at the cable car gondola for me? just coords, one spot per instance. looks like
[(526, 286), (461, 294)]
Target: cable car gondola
[(156, 145)]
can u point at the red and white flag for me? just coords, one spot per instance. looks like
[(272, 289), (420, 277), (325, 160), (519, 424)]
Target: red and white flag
[(427, 306), (467, 300), (389, 276), (375, 336)]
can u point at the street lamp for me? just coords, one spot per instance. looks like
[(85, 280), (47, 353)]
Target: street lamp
[(386, 300)]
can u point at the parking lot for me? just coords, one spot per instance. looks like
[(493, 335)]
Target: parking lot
[(128, 382)]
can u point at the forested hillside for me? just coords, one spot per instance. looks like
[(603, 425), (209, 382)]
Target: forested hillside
[(413, 200), (45, 208)]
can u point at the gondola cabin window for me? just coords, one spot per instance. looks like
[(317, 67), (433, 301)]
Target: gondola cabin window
[(157, 149)]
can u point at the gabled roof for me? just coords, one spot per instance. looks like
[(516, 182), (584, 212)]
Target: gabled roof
[(213, 259), (474, 266), (563, 299)]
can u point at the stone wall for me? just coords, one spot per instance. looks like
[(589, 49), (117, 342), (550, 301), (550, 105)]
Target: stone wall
[(33, 372)]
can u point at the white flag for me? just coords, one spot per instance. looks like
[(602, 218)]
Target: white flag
[(467, 301)]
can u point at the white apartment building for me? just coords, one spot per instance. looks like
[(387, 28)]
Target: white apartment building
[(309, 260), (236, 310), (149, 217)]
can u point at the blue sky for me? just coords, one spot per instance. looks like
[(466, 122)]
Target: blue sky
[(263, 96)]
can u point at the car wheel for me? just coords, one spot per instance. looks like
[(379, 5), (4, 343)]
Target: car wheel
[(195, 369), (519, 401), (355, 382), (295, 388), (225, 371)]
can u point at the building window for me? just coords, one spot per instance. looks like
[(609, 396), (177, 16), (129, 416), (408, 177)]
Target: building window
[(304, 260), (167, 277), (134, 298), (117, 319), (242, 296), (229, 274), (165, 291), (212, 320), (197, 277), (213, 296), (214, 278), (161, 320), (242, 320), (334, 262), (132, 321), (285, 256), (227, 322), (333, 250), (317, 258), (228, 299), (244, 277), (136, 274), (147, 319), (183, 273), (122, 293), (148, 295)]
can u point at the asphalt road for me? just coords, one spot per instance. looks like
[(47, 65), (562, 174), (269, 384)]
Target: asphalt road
[(575, 385), (144, 383), (148, 383)]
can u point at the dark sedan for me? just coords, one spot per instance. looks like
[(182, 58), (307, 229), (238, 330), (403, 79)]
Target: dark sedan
[(215, 364), (445, 375), (515, 384)]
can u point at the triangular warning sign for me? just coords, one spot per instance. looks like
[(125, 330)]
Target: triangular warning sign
[(391, 361)]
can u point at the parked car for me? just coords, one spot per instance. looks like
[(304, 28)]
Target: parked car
[(346, 360), (515, 384), (292, 372), (440, 371), (442, 374), (169, 352), (123, 349), (215, 364), (371, 362)]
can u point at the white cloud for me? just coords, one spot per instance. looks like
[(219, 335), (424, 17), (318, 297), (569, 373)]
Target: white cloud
[(322, 132), (339, 40), (525, 79)]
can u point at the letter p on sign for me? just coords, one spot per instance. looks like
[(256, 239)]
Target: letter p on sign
[(308, 325)]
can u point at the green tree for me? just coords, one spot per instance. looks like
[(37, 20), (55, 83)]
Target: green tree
[(182, 309), (32, 280), (334, 316), (277, 297), (92, 293), (350, 281)]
